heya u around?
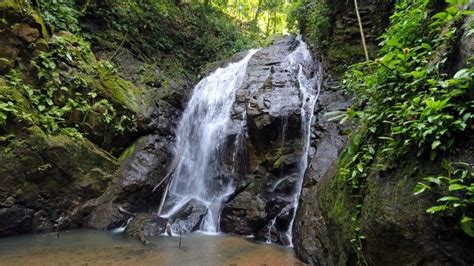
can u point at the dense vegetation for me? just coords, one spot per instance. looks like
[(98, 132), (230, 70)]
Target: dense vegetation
[(410, 103), (268, 17), (65, 71), (413, 103), (64, 78)]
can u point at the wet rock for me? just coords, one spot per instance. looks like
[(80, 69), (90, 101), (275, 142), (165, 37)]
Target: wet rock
[(104, 214), (54, 175), (190, 217), (144, 164), (27, 33), (272, 234), (16, 220), (465, 47), (269, 105), (8, 202), (41, 222), (310, 235), (145, 225), (245, 214)]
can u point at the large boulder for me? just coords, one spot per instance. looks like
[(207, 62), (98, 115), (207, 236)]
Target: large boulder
[(46, 180), (145, 225), (309, 230), (243, 213), (16, 220), (142, 166), (267, 173), (190, 217)]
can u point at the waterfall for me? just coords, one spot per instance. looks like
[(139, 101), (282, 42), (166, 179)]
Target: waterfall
[(309, 83), (309, 75), (204, 178), (200, 143)]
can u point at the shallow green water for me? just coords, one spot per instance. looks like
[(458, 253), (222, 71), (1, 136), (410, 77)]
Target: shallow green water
[(86, 247)]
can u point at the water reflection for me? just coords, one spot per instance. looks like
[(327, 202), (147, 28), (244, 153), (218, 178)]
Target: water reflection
[(106, 248)]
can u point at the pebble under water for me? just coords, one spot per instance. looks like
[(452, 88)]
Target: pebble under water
[(87, 247)]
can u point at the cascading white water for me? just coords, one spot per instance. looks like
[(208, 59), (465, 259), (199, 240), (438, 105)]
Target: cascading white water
[(309, 83), (200, 143)]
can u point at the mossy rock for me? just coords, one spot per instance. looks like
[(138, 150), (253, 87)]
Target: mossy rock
[(392, 219), (54, 174), (15, 11), (21, 107), (8, 93), (120, 91), (17, 6)]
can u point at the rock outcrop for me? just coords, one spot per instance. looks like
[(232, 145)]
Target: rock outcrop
[(143, 166), (337, 35), (269, 104), (265, 168), (60, 164), (45, 181), (394, 221), (396, 227), (310, 235), (29, 31)]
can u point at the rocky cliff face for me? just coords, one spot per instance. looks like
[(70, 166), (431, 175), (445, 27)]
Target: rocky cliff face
[(310, 231), (336, 30), (269, 101), (265, 170), (51, 181), (394, 221)]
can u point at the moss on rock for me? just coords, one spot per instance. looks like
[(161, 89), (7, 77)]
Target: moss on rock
[(120, 91), (55, 174)]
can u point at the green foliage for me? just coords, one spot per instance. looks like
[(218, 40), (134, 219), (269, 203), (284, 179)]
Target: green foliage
[(188, 34), (358, 237), (61, 98), (406, 102), (265, 17), (60, 15), (456, 192), (413, 105), (7, 108), (312, 15)]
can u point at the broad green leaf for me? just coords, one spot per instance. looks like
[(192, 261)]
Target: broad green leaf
[(432, 179), (360, 167), (49, 101), (436, 209), (467, 225), (435, 144), (448, 198), (462, 74), (455, 187), (420, 188)]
